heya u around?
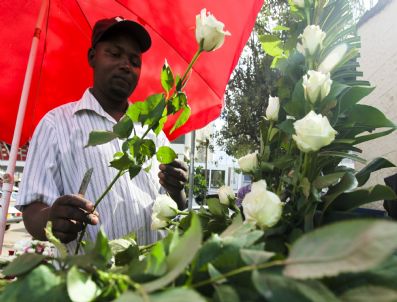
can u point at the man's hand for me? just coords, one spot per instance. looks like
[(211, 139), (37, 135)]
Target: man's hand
[(68, 213), (173, 178)]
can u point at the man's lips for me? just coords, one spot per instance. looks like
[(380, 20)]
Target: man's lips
[(123, 79)]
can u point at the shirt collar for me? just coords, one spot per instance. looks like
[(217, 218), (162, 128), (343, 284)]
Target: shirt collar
[(89, 103)]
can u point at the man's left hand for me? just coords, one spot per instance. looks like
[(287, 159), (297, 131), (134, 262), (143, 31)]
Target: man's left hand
[(173, 178)]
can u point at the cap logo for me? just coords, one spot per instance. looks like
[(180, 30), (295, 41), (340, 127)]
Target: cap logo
[(119, 19)]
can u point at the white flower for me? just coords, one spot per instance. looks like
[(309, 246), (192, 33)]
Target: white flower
[(158, 223), (312, 40), (273, 108), (299, 3), (333, 58), (313, 132), (209, 31), (316, 85), (226, 195), (262, 207), (249, 162), (164, 207)]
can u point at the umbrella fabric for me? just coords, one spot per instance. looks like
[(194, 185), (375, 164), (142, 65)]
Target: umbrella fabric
[(62, 73)]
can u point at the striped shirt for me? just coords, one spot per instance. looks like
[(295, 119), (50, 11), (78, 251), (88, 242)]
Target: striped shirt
[(57, 162)]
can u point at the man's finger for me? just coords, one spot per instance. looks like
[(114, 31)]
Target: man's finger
[(75, 201)]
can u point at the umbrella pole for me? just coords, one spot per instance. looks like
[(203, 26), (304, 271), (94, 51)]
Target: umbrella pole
[(191, 169), (8, 178)]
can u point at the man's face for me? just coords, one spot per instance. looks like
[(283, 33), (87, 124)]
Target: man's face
[(117, 66)]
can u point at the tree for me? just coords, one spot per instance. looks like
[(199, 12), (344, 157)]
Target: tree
[(253, 80)]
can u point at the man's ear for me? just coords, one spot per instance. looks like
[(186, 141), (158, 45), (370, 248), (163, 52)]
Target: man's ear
[(91, 55)]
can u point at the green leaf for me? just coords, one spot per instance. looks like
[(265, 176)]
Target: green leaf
[(276, 288), (178, 294), (255, 256), (346, 184), (23, 264), (165, 155), (352, 200), (369, 293), (349, 246), (376, 164), (80, 286), (122, 161), (271, 45), (148, 148), (177, 102), (225, 293), (280, 27), (368, 116), (127, 256), (327, 180), (342, 155), (121, 244), (167, 78), (216, 208), (353, 96), (37, 286), (134, 171), (364, 138), (63, 252), (183, 253), (124, 127), (100, 137), (182, 119), (102, 247)]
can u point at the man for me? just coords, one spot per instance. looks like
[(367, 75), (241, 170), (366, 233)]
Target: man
[(57, 159)]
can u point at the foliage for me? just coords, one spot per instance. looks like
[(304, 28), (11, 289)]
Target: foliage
[(212, 254), (199, 184)]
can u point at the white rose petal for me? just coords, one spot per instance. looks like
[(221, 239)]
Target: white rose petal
[(158, 223), (273, 109), (209, 31), (313, 132), (316, 85), (299, 3), (226, 195), (333, 58), (249, 162), (165, 207), (312, 39), (261, 207)]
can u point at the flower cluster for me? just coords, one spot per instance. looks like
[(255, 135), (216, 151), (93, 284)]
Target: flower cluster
[(29, 246)]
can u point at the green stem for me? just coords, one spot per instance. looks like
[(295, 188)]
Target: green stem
[(194, 59), (109, 187), (238, 271)]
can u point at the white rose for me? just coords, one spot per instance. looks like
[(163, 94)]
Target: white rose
[(226, 195), (333, 58), (316, 85), (312, 39), (299, 3), (261, 207), (313, 132), (249, 162), (164, 207), (209, 31), (158, 223), (273, 109)]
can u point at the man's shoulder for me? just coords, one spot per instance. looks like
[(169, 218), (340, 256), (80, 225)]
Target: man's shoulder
[(62, 111)]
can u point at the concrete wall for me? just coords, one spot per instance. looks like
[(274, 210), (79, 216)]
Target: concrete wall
[(379, 63)]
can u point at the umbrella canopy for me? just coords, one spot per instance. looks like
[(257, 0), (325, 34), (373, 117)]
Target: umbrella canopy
[(61, 73)]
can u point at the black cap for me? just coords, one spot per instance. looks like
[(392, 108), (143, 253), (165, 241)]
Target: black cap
[(105, 26)]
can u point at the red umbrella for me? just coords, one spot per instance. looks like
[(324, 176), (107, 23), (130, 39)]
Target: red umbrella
[(61, 72)]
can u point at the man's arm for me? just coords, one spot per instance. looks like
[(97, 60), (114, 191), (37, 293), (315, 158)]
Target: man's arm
[(68, 214), (173, 178)]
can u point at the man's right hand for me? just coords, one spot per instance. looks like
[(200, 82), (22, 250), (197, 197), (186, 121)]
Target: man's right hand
[(68, 213)]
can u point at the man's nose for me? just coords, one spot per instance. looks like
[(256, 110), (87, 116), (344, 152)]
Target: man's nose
[(125, 63)]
